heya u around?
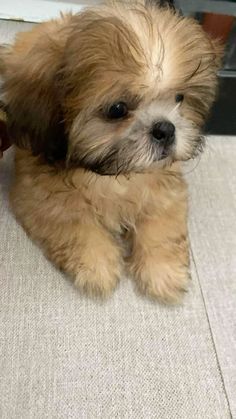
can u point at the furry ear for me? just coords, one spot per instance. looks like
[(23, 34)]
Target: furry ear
[(34, 113)]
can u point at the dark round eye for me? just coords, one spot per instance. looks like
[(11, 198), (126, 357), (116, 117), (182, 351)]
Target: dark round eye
[(179, 98), (117, 111)]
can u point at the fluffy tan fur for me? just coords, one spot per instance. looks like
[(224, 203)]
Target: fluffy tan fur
[(63, 73)]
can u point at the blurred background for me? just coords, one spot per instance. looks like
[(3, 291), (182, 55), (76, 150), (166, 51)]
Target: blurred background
[(219, 20), (217, 17)]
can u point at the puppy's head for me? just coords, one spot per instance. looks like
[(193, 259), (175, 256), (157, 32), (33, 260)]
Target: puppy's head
[(115, 89)]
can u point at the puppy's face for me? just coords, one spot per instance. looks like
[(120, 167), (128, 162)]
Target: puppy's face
[(133, 84)]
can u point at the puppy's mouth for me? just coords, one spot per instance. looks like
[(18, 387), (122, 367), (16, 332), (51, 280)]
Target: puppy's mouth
[(107, 168), (163, 153), (118, 161)]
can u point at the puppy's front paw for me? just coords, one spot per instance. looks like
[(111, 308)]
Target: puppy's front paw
[(162, 278), (98, 277)]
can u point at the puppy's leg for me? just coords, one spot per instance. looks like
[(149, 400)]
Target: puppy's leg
[(90, 255), (160, 259)]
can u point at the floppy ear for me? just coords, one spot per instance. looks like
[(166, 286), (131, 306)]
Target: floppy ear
[(30, 69)]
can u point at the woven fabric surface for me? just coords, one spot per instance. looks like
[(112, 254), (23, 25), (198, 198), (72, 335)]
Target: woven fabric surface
[(213, 240)]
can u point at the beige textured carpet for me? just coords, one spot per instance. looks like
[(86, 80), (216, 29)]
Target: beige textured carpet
[(64, 356)]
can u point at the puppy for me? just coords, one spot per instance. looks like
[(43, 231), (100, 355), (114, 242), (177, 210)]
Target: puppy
[(102, 106)]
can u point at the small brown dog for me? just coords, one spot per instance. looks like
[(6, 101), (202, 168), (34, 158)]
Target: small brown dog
[(102, 105)]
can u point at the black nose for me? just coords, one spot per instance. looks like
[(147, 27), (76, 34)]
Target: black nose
[(164, 133)]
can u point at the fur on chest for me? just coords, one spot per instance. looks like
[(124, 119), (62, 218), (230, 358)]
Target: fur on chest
[(59, 196)]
